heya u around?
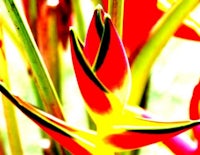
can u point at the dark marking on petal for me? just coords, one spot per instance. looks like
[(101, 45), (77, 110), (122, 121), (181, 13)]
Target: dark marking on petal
[(166, 130), (30, 114), (98, 23), (50, 125), (30, 72), (104, 45), (142, 137), (84, 64)]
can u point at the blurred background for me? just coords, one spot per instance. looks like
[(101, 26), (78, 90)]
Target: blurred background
[(173, 77)]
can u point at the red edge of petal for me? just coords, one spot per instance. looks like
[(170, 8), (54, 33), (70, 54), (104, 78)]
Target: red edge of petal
[(92, 90), (136, 139), (194, 103), (93, 36), (194, 109), (114, 67)]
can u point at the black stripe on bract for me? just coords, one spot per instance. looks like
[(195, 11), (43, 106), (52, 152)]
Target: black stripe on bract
[(30, 114), (168, 130), (98, 23), (104, 45), (84, 65)]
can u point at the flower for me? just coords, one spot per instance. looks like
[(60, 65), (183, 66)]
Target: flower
[(96, 63), (105, 56), (103, 74)]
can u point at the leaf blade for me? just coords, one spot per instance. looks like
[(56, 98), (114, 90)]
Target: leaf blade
[(69, 137)]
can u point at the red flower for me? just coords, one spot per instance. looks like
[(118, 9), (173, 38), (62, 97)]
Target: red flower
[(101, 70), (101, 65)]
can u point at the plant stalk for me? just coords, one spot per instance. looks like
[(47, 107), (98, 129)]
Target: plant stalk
[(116, 10), (159, 36), (42, 78), (8, 108), (79, 18)]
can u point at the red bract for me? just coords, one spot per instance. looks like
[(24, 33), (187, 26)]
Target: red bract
[(138, 138), (102, 62), (194, 103), (108, 60), (97, 65)]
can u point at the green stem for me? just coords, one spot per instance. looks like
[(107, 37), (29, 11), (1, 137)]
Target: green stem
[(116, 10), (43, 81), (79, 18), (9, 109), (158, 38), (16, 40)]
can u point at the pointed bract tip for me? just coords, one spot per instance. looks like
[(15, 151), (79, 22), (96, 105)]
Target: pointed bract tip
[(71, 28), (107, 16), (99, 7)]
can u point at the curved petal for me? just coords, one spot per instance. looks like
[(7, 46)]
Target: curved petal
[(103, 104), (138, 136), (72, 139), (94, 35), (105, 52), (111, 66), (187, 33), (91, 88), (194, 103)]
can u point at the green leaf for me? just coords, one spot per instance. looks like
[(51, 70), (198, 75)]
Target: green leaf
[(8, 108), (43, 81)]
